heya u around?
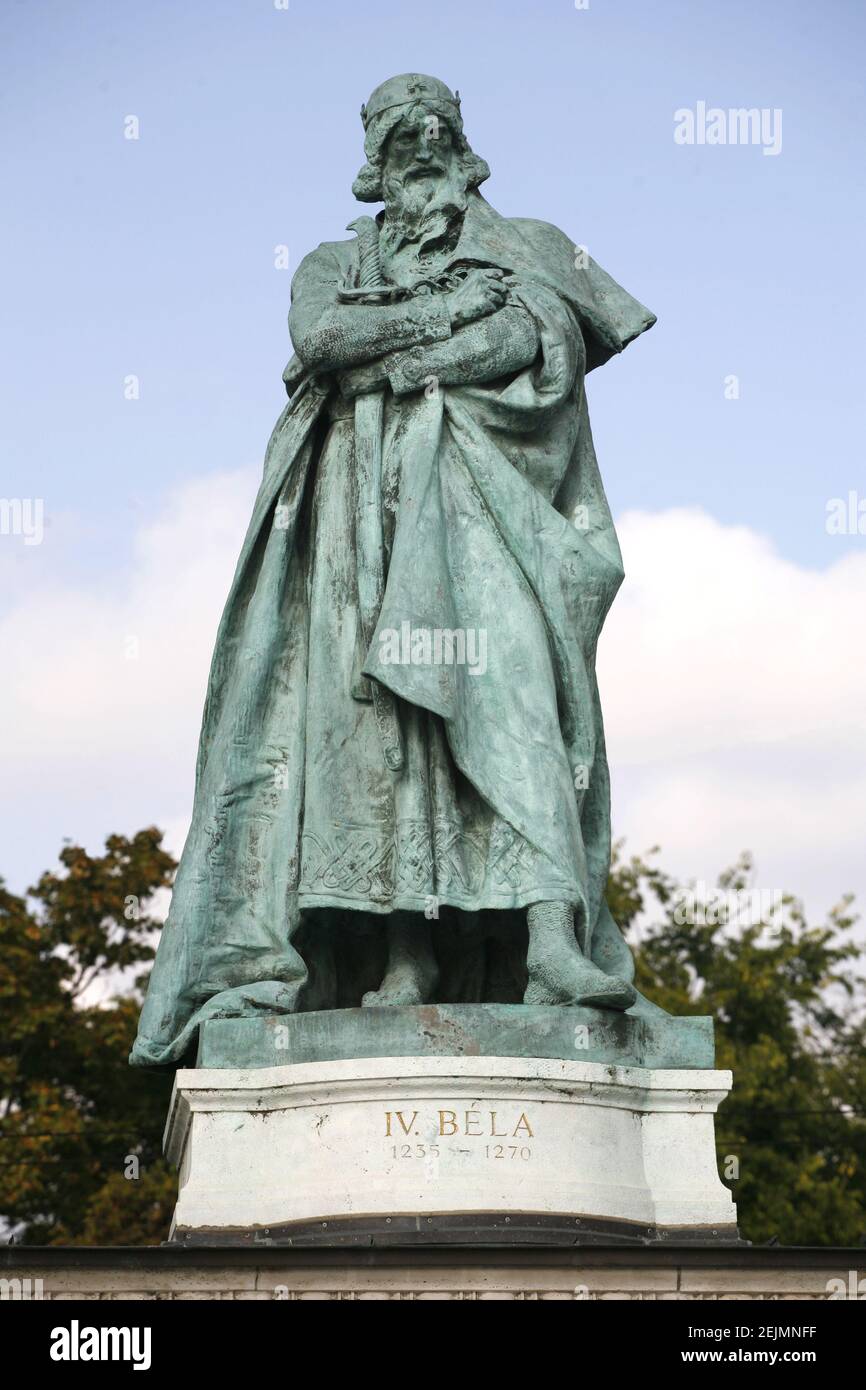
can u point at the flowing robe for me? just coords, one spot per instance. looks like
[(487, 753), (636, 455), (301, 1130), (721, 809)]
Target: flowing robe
[(495, 526)]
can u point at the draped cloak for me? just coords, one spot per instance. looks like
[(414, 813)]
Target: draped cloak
[(496, 524)]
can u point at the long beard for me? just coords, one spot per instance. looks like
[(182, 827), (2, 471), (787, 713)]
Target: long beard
[(423, 211)]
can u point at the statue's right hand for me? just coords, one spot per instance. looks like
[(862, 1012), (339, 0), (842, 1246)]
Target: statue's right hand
[(481, 293)]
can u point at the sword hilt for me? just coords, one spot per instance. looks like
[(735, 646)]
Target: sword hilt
[(369, 263)]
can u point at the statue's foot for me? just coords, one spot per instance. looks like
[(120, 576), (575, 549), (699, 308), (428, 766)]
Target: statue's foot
[(580, 982), (399, 988), (559, 972), (412, 971)]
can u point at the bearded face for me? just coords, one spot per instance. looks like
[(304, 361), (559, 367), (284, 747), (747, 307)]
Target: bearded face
[(424, 181)]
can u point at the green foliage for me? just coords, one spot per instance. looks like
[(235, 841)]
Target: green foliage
[(71, 1111), (787, 1000)]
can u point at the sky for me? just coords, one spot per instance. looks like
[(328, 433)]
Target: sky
[(146, 288)]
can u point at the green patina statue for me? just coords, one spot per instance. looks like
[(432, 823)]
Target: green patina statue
[(402, 793)]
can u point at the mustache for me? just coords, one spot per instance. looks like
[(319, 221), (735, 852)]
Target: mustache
[(444, 176), (431, 166)]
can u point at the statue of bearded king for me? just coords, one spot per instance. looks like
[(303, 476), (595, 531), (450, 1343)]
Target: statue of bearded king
[(402, 793)]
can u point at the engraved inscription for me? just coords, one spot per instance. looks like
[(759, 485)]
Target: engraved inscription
[(470, 1124), (414, 1150), (407, 1126)]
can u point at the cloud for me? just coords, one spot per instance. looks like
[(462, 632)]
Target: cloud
[(104, 684), (734, 690), (733, 684)]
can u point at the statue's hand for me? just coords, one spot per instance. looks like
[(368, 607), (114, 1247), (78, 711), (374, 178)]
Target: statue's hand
[(481, 293)]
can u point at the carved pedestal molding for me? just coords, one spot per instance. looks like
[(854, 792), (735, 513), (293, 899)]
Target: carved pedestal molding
[(432, 1148)]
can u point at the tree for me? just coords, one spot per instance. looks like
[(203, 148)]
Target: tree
[(76, 1124), (787, 1000), (80, 1133)]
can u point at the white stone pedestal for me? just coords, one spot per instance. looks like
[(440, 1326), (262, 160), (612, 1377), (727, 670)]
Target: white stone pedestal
[(443, 1147)]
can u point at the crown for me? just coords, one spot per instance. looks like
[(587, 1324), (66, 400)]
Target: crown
[(403, 90)]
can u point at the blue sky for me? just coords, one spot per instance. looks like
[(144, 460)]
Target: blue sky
[(155, 257)]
